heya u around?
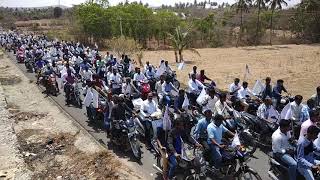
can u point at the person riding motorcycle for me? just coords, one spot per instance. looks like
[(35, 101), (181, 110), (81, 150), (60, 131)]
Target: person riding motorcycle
[(243, 94), (118, 113), (267, 91), (138, 78), (234, 88), (305, 153), (195, 87), (69, 82), (209, 100), (167, 87), (316, 97), (128, 89), (148, 109), (282, 149), (215, 131), (265, 113), (200, 133), (176, 137), (115, 82), (296, 108), (277, 92)]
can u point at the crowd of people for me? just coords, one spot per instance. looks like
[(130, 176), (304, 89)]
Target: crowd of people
[(118, 84)]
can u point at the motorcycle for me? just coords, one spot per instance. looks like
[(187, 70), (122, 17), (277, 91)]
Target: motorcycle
[(188, 167), (74, 94), (254, 129), (50, 83), (125, 133), (234, 165), (29, 63), (20, 56), (279, 171)]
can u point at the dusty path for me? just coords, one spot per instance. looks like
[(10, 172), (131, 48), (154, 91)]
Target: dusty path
[(42, 142)]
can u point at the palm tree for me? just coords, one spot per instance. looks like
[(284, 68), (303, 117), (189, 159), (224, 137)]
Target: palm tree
[(242, 6), (260, 4), (275, 4), (179, 41)]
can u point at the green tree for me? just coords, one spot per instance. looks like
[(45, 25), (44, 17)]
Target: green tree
[(275, 4), (241, 6), (57, 12), (94, 22), (179, 41), (260, 4)]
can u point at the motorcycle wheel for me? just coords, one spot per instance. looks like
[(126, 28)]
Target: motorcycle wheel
[(135, 147), (249, 174)]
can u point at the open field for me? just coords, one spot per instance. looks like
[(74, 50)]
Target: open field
[(297, 65)]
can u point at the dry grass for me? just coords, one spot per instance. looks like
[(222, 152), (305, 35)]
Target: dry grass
[(298, 65)]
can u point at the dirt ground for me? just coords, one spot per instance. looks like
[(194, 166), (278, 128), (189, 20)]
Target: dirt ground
[(297, 65), (42, 141)]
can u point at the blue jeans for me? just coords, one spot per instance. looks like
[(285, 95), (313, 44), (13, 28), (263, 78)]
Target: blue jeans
[(292, 165), (172, 165), (216, 156), (307, 172)]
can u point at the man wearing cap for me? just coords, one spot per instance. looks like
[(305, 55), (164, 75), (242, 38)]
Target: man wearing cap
[(305, 153)]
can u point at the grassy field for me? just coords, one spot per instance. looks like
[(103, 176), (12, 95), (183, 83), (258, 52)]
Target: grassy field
[(297, 65)]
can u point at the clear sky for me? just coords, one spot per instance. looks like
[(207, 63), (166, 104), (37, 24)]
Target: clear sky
[(39, 3)]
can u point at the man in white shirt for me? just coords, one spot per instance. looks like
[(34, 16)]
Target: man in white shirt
[(195, 87), (234, 87), (167, 88), (148, 108), (209, 101), (221, 107), (296, 108), (138, 77), (243, 94), (158, 88), (128, 88), (115, 82), (282, 149)]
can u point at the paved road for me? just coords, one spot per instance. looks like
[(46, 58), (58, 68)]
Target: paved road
[(259, 163)]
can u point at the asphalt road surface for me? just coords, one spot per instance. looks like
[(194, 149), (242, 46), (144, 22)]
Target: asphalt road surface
[(259, 162)]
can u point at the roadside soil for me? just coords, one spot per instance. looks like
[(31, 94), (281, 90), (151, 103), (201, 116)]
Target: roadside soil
[(41, 142)]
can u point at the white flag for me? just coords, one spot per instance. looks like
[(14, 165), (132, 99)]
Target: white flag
[(130, 69), (286, 112), (257, 88), (166, 120), (235, 141), (273, 115), (247, 73), (185, 103), (201, 97), (181, 65), (91, 97), (160, 70)]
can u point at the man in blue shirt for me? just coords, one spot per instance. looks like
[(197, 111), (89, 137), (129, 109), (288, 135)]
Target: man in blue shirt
[(167, 87), (215, 131), (277, 91), (200, 132), (305, 153)]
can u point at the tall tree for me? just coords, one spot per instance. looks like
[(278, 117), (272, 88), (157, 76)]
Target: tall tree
[(260, 4), (275, 4), (180, 42), (241, 6)]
